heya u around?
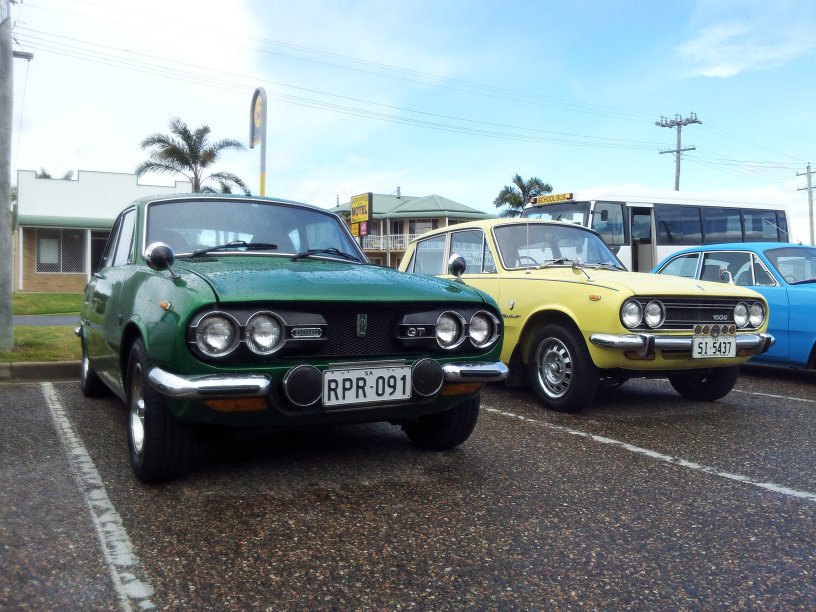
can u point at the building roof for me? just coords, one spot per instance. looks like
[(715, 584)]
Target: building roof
[(53, 221), (404, 207)]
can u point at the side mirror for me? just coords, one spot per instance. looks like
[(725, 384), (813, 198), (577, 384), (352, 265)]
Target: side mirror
[(457, 265), (160, 256), (725, 275)]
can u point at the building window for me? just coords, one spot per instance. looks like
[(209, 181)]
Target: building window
[(60, 251)]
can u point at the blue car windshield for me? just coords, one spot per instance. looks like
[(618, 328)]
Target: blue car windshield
[(235, 225), (796, 264)]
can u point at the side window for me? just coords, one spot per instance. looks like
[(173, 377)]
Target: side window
[(124, 243), (685, 266), (737, 263), (721, 225), (677, 225), (429, 258), (489, 262), (607, 220), (470, 245)]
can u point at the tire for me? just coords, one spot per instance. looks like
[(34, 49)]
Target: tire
[(445, 430), (160, 446), (706, 386), (89, 382), (560, 369)]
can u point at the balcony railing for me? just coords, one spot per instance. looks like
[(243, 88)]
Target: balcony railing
[(387, 243)]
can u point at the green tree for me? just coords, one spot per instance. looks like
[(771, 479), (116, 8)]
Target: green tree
[(514, 197), (41, 173), (190, 154)]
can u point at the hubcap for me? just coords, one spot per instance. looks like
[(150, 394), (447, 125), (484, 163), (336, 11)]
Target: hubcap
[(137, 410), (554, 367)]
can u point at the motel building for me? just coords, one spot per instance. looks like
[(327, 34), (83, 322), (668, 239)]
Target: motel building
[(395, 220)]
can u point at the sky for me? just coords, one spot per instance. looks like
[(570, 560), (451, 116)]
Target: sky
[(447, 97)]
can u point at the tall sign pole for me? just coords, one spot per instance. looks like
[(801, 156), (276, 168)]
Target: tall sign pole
[(809, 188), (6, 110), (257, 130)]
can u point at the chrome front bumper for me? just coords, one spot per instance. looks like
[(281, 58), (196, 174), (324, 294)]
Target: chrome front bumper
[(214, 386), (646, 344)]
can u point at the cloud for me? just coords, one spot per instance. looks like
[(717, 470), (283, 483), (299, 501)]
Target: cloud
[(730, 48)]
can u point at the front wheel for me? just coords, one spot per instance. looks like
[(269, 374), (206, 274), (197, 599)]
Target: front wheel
[(561, 370), (445, 430), (706, 386), (160, 446)]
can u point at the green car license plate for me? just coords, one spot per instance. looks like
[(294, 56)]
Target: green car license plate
[(346, 387), (707, 347)]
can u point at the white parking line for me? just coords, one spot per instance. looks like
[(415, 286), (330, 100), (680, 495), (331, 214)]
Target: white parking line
[(769, 486), (123, 563), (785, 397)]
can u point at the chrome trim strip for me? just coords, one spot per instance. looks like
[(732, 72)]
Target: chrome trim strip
[(475, 371), (209, 386)]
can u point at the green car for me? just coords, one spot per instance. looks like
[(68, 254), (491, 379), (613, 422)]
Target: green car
[(254, 312)]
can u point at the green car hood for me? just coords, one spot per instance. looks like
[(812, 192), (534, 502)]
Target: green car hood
[(261, 278)]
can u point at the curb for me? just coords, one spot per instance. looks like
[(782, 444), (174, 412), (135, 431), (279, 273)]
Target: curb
[(32, 371)]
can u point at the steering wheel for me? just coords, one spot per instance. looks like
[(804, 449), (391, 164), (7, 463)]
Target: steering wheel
[(520, 260)]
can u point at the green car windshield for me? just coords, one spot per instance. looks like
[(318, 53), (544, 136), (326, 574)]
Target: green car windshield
[(540, 245), (231, 226)]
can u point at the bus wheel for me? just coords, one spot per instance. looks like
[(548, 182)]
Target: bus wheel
[(561, 370)]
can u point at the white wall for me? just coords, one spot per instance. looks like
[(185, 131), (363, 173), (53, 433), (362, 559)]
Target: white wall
[(97, 195)]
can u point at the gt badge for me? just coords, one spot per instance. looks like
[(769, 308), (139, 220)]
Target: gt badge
[(362, 325)]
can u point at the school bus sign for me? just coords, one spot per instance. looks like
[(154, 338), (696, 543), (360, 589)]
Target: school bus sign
[(361, 209)]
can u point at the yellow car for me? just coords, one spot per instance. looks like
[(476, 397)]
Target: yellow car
[(575, 319)]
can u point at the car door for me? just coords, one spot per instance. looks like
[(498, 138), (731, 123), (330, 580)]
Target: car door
[(103, 323)]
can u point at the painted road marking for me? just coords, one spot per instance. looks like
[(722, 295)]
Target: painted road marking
[(769, 486), (123, 564)]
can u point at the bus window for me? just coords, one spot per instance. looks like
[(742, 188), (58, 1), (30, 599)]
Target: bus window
[(760, 226), (607, 220), (721, 225), (678, 225), (782, 224)]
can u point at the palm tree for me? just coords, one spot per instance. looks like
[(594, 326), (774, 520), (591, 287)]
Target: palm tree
[(515, 196), (43, 173), (190, 154)]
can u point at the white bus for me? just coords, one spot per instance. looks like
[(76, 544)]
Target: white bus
[(644, 227)]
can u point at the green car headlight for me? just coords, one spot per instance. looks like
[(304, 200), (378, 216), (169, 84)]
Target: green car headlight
[(216, 334), (483, 329), (264, 333), (449, 330)]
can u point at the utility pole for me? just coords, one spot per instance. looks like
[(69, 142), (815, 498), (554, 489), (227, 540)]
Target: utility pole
[(678, 123), (808, 173), (6, 111)]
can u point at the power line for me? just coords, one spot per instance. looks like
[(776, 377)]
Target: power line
[(678, 124)]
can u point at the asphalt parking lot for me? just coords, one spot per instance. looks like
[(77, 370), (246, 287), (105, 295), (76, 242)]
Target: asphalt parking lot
[(643, 501)]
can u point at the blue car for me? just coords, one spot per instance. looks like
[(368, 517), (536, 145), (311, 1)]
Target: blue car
[(784, 273)]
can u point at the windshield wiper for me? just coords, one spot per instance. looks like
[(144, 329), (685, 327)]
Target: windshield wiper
[(606, 265), (327, 250), (554, 262), (236, 244)]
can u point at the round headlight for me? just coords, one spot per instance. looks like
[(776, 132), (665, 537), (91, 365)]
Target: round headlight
[(631, 313), (756, 314), (216, 335), (653, 314), (482, 329), (741, 314), (448, 330), (264, 334)]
